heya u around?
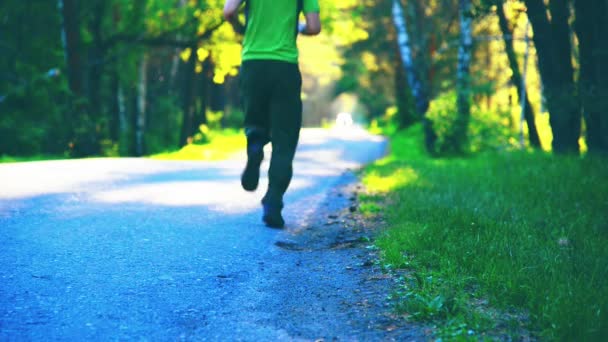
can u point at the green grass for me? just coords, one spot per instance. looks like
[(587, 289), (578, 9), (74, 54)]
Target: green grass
[(222, 145), (12, 159), (527, 231)]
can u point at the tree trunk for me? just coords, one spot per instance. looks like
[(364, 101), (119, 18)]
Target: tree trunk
[(140, 123), (406, 110), (175, 62), (119, 129), (189, 84), (84, 140), (205, 79), (420, 97), (419, 31), (422, 102), (175, 59), (517, 78), (115, 109), (552, 41), (72, 45), (123, 122), (592, 31), (217, 95), (463, 77), (96, 60)]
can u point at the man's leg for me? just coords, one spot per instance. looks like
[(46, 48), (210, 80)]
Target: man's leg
[(255, 91), (286, 120)]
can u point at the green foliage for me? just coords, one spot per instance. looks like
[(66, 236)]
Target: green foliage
[(203, 136), (218, 121), (205, 131), (368, 67), (109, 148), (214, 119), (523, 230), (41, 114), (164, 121), (487, 131), (33, 101), (385, 124), (11, 159), (234, 119), (218, 145)]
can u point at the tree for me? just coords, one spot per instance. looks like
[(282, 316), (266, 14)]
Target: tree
[(463, 77), (371, 64), (517, 77), (552, 41), (418, 90), (188, 96), (140, 121), (34, 90), (72, 45), (592, 31)]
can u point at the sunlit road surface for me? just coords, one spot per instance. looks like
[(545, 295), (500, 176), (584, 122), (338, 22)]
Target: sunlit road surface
[(113, 249)]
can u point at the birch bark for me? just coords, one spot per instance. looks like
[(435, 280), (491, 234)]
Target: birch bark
[(463, 78), (403, 41), (416, 85), (140, 122)]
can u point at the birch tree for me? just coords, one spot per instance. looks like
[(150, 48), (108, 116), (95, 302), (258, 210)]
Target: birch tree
[(140, 122), (463, 78), (421, 99)]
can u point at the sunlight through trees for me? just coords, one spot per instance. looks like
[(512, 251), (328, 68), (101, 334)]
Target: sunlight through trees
[(146, 76)]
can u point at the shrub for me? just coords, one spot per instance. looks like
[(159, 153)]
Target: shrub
[(486, 130)]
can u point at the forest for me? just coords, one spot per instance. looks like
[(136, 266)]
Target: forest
[(137, 77), (492, 198)]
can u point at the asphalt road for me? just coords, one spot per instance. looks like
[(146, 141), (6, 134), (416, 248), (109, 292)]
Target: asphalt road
[(125, 249)]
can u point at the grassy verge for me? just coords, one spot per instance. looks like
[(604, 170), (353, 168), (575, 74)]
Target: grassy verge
[(222, 145), (526, 232), (11, 159)]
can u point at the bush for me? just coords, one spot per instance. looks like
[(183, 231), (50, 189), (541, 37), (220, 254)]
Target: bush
[(163, 125), (203, 136), (385, 124), (233, 119), (33, 119), (486, 131)]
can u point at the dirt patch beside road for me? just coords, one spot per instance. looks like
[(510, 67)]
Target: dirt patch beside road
[(344, 283)]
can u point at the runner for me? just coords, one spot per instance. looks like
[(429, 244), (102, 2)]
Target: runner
[(271, 85)]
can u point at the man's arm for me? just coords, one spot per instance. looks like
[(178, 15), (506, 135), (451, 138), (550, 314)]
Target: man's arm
[(231, 8), (312, 26)]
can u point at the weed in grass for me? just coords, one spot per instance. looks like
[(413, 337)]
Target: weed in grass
[(455, 330)]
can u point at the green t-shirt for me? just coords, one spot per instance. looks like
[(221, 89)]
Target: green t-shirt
[(271, 28)]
